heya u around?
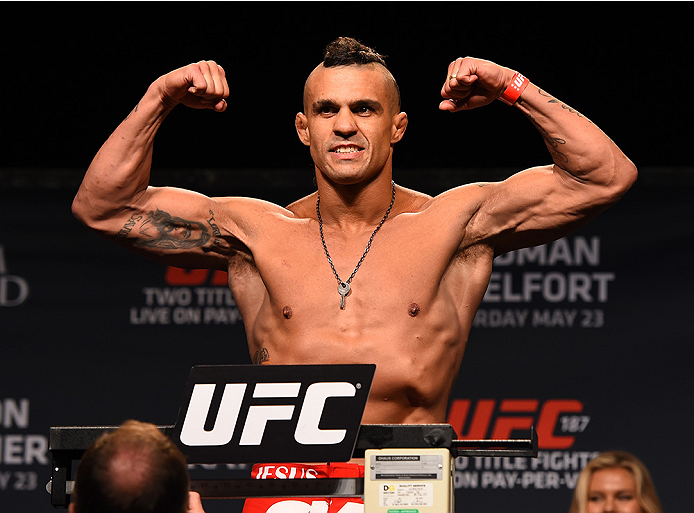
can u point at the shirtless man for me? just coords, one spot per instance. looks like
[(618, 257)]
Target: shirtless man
[(361, 271)]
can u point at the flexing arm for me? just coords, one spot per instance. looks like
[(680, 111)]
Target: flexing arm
[(115, 198), (544, 203)]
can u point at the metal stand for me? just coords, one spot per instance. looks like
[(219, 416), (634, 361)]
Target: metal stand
[(69, 443)]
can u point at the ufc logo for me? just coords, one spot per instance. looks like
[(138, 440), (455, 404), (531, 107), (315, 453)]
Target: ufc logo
[(564, 416), (518, 81), (307, 432)]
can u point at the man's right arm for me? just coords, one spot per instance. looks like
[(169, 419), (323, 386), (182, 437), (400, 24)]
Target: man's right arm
[(115, 198)]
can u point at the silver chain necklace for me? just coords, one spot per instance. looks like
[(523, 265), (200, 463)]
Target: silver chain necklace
[(343, 287)]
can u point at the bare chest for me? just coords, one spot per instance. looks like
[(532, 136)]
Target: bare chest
[(350, 272), (410, 271)]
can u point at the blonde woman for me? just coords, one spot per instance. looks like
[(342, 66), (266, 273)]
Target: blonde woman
[(615, 481)]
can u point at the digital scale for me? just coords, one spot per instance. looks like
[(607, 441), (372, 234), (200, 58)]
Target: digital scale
[(408, 481)]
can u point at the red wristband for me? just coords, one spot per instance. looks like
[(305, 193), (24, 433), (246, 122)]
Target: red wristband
[(513, 91)]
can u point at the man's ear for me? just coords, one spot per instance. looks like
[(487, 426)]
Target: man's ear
[(301, 124), (399, 126)]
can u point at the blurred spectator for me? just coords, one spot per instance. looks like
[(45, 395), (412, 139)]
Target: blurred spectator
[(134, 469), (615, 481)]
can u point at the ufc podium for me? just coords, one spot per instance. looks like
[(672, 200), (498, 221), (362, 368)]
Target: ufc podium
[(299, 413)]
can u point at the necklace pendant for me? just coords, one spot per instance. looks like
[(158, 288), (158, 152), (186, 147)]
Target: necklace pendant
[(343, 289)]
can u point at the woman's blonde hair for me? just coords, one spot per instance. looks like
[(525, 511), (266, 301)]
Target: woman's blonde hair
[(645, 491)]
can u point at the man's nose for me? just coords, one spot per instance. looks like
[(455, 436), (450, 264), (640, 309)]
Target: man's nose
[(609, 505), (345, 124)]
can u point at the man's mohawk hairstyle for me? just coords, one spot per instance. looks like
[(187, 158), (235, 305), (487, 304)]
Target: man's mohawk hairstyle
[(345, 51)]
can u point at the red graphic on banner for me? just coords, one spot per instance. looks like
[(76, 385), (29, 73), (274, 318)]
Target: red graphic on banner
[(185, 277), (552, 416)]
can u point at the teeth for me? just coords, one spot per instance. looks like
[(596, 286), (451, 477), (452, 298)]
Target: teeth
[(346, 150)]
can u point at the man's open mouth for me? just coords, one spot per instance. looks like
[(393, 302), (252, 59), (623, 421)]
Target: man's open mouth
[(346, 149)]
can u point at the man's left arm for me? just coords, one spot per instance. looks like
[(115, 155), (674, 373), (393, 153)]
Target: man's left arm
[(540, 204)]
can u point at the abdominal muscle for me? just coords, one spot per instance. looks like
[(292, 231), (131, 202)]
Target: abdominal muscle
[(416, 356)]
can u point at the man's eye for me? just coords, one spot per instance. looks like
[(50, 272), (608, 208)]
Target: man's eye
[(364, 110), (324, 110)]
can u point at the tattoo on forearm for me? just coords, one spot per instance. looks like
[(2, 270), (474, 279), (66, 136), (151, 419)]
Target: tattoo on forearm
[(133, 111), (261, 356), (129, 225), (561, 104), (216, 232), (164, 231), (553, 143)]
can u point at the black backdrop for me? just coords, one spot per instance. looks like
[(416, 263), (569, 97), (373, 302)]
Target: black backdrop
[(588, 337)]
